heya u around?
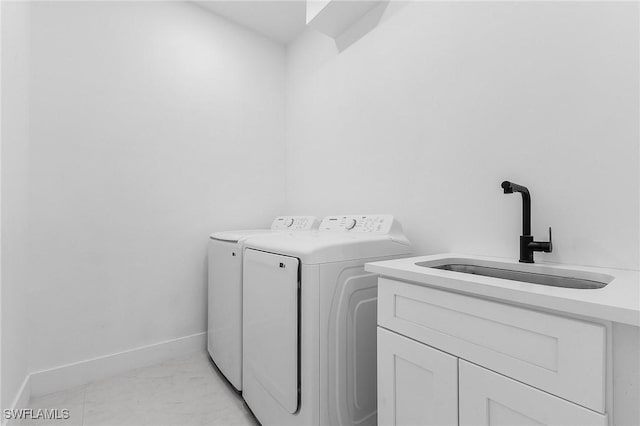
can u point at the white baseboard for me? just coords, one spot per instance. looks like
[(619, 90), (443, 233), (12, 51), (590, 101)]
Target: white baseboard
[(21, 401), (83, 372)]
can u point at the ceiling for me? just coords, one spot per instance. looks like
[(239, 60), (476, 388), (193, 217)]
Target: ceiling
[(281, 21)]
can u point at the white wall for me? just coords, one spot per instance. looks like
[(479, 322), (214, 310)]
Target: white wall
[(153, 124), (427, 114), (14, 178)]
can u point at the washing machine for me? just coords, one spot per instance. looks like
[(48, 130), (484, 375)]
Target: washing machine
[(309, 321), (224, 338)]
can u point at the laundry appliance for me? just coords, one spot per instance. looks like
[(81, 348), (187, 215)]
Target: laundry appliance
[(309, 321), (224, 338)]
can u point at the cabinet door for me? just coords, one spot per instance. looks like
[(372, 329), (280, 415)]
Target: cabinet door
[(488, 398), (417, 385)]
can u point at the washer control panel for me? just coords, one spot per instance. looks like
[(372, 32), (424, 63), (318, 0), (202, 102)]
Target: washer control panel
[(375, 224), (294, 223)]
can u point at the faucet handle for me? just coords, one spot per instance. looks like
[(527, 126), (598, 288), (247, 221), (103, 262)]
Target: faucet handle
[(550, 242)]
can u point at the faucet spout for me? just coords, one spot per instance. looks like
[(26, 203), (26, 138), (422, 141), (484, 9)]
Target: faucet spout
[(510, 188)]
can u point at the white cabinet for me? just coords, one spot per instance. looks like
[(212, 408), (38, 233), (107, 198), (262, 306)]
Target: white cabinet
[(562, 356), (490, 399), (417, 385), (491, 363)]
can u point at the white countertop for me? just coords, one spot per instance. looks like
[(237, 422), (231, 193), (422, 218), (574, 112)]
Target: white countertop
[(618, 301)]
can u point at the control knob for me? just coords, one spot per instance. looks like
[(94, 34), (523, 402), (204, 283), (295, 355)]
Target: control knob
[(288, 222), (351, 223)]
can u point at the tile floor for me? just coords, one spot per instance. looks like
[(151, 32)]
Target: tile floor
[(183, 391)]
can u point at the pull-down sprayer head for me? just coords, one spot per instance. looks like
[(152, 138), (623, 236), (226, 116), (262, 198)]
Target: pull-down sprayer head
[(509, 187)]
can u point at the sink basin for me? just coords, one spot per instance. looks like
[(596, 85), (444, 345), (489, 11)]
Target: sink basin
[(549, 276)]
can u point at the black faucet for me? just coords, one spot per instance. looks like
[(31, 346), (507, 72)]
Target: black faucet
[(527, 245)]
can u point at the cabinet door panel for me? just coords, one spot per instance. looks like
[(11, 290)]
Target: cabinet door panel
[(490, 399), (417, 385)]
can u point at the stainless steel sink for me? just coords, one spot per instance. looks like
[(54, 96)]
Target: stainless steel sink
[(523, 276)]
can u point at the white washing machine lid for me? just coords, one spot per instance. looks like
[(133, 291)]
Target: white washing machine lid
[(240, 235), (279, 224), (323, 247)]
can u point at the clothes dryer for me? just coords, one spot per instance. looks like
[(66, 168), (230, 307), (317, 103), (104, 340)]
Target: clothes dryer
[(224, 338), (309, 321)]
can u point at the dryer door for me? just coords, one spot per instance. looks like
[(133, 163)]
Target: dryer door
[(271, 319), (225, 309)]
